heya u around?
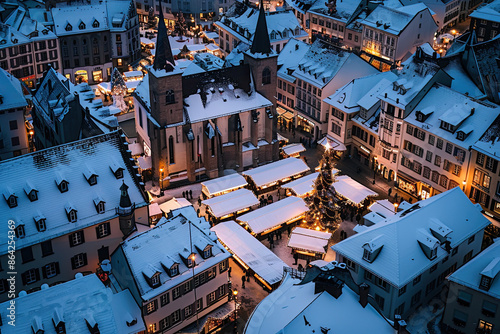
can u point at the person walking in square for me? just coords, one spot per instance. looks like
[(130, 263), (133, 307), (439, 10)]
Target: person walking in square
[(243, 279), (191, 193)]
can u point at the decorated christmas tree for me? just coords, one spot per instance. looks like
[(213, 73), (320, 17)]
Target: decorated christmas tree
[(324, 211), (118, 90), (180, 25)]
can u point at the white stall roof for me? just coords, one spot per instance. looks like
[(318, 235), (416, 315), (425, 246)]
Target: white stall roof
[(302, 185), (292, 149), (276, 171), (174, 203), (231, 202), (383, 207), (274, 214), (251, 251), (135, 148), (145, 162), (225, 183), (311, 240), (352, 190), (132, 74), (332, 143), (154, 209)]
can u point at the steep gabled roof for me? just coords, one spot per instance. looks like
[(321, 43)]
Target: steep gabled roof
[(261, 43), (402, 258), (164, 60)]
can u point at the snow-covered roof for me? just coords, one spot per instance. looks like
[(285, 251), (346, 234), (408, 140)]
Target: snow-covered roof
[(231, 202), (392, 20), (286, 309), (462, 83), (402, 258), (41, 169), (362, 92), (344, 9), (352, 190), (485, 263), (289, 58), (275, 214), (225, 103), (412, 76), (154, 209), (383, 207), (303, 185), (454, 107), (133, 74), (222, 184), (489, 143), (275, 171), (332, 143), (293, 148), (281, 25), (309, 240), (321, 63), (72, 302), (148, 250), (488, 12), (174, 203), (11, 92), (251, 251)]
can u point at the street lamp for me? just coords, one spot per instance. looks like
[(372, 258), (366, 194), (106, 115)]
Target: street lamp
[(161, 179), (396, 207), (235, 294), (463, 184)]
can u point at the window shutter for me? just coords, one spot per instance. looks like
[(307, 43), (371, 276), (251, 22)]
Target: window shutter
[(495, 165), (97, 232), (57, 268), (85, 259), (23, 277), (44, 272), (37, 274), (71, 244), (83, 236), (73, 263)]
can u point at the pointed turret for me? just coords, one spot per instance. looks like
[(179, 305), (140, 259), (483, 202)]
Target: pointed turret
[(261, 42), (164, 60), (125, 202)]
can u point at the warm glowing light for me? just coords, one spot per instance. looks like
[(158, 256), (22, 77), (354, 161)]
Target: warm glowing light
[(327, 146), (235, 292), (192, 257), (453, 32), (463, 182), (161, 170), (317, 228), (32, 133), (396, 205)]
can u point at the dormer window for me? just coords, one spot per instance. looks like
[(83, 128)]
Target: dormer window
[(30, 191), (485, 283), (395, 86), (117, 170), (99, 204), (190, 261), (63, 186), (420, 117), (12, 201), (95, 24), (81, 26), (428, 243), (100, 207), (68, 27), (92, 325), (152, 276), (33, 195), (40, 222), (207, 253), (71, 213), (447, 126), (433, 253), (20, 233), (57, 321), (174, 270), (372, 248), (460, 135), (90, 175)]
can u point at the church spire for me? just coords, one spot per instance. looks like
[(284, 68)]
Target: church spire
[(164, 60), (261, 42)]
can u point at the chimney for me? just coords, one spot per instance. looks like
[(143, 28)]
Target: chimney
[(434, 55), (397, 100), (328, 283), (472, 111), (385, 95), (296, 46), (363, 294), (447, 246)]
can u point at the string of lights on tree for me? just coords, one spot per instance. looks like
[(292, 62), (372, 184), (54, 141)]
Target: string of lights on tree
[(324, 211)]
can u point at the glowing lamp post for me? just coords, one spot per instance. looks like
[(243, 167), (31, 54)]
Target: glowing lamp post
[(235, 294), (161, 179)]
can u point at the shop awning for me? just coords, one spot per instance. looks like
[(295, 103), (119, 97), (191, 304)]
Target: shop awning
[(250, 251), (276, 171), (333, 143), (383, 207), (280, 138), (292, 149), (145, 162), (174, 203), (309, 240), (352, 190), (223, 184), (302, 186), (273, 215), (219, 313), (284, 113), (154, 210), (232, 202)]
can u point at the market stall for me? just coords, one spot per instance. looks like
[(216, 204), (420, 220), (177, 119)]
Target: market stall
[(301, 187), (270, 176), (332, 143), (292, 150), (174, 203), (352, 190), (383, 207), (273, 216), (233, 203), (222, 185), (155, 213), (251, 254), (309, 244)]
